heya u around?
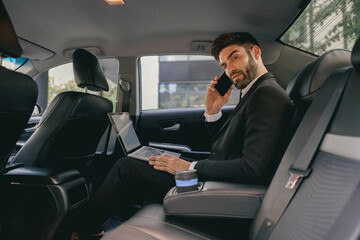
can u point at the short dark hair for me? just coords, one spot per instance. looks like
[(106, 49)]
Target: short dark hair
[(226, 39)]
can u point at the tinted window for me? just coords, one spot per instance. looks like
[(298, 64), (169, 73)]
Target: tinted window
[(178, 81), (325, 25)]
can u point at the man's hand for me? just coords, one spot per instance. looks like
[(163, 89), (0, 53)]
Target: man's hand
[(214, 101), (168, 163)]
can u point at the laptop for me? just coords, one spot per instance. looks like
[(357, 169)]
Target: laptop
[(129, 140)]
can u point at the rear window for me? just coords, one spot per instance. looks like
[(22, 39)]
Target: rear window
[(325, 25)]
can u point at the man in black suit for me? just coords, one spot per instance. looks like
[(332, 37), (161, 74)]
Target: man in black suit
[(244, 145)]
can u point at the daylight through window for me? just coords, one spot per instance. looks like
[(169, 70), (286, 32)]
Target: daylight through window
[(178, 81), (325, 25)]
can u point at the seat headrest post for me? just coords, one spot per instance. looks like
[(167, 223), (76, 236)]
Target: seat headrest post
[(9, 43), (355, 55), (88, 72)]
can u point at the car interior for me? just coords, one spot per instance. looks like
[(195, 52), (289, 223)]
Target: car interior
[(66, 65)]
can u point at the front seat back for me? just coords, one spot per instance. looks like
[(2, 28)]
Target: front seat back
[(74, 122), (18, 92)]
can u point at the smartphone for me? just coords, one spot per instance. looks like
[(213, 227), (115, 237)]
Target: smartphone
[(223, 85)]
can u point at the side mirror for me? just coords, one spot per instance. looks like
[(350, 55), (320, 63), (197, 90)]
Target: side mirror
[(37, 111)]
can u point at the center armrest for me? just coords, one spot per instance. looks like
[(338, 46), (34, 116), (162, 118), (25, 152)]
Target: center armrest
[(66, 187), (216, 199)]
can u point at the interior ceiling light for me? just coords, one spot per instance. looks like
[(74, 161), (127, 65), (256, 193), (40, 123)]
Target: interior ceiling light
[(115, 2)]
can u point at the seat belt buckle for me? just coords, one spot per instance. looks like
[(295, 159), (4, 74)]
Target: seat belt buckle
[(125, 85), (295, 176)]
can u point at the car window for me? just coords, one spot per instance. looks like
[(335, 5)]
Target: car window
[(325, 25), (13, 63), (61, 79), (178, 81)]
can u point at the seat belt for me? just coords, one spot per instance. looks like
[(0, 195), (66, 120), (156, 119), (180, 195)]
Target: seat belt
[(125, 91), (301, 167)]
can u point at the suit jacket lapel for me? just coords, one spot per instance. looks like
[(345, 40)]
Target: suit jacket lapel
[(244, 99)]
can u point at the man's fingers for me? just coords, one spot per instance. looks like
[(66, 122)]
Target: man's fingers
[(160, 163), (227, 94), (159, 158), (213, 83)]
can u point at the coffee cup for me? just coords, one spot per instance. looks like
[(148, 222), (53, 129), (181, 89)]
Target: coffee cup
[(186, 180)]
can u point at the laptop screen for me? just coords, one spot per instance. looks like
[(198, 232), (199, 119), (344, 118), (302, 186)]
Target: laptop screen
[(125, 130)]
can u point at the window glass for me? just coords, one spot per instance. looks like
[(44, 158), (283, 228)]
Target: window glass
[(61, 79), (178, 81), (13, 63), (325, 25)]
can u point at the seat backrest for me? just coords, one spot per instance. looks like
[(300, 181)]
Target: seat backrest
[(304, 86), (74, 122), (18, 92), (325, 206)]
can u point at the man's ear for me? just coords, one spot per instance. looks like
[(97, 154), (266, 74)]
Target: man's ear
[(256, 51)]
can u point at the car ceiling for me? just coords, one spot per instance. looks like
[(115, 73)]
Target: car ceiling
[(144, 27)]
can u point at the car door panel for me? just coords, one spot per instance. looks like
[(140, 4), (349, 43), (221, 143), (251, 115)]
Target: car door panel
[(183, 127)]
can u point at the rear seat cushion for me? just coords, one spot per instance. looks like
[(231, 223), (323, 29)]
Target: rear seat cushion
[(151, 223)]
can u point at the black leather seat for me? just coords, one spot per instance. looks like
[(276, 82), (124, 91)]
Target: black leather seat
[(335, 173), (74, 122), (303, 87), (18, 92)]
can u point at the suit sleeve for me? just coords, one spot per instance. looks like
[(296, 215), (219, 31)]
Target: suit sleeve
[(266, 114), (214, 127)]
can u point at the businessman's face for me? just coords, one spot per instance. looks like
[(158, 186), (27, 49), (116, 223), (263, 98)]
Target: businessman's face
[(239, 65)]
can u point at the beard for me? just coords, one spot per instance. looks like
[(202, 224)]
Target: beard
[(247, 76)]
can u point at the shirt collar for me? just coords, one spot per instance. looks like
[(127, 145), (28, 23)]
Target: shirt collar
[(247, 88)]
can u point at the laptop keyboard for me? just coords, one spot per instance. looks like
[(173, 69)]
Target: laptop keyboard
[(147, 152)]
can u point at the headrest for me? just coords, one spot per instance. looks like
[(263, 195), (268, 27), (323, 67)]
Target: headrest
[(9, 44), (88, 72), (311, 77), (355, 55)]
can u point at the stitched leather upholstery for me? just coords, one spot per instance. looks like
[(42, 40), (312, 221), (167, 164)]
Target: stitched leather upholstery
[(18, 92), (74, 122), (88, 72), (303, 87)]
